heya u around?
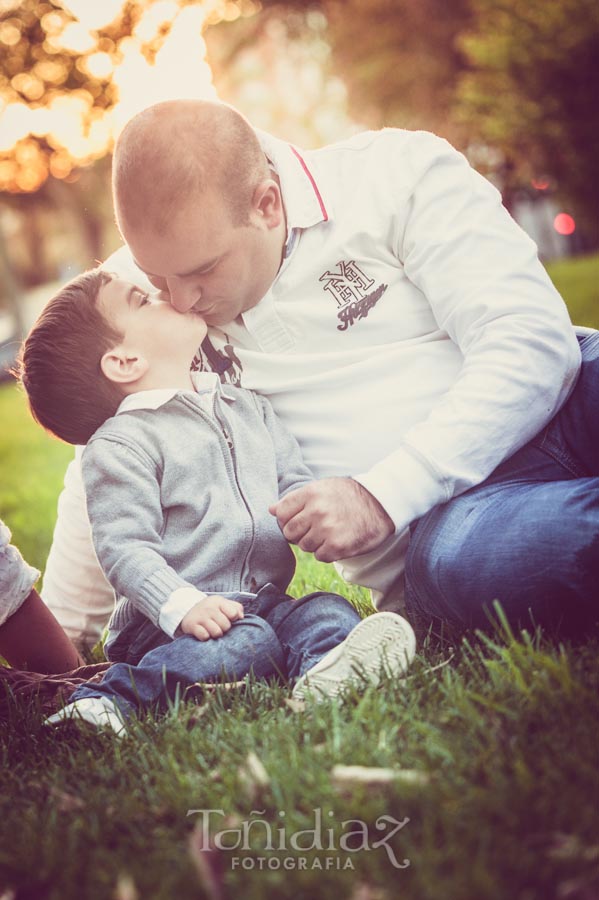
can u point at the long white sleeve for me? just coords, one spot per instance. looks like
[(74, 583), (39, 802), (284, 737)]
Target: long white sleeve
[(490, 294)]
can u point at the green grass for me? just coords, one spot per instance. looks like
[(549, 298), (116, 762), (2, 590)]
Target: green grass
[(32, 467), (577, 280), (504, 740), (503, 734)]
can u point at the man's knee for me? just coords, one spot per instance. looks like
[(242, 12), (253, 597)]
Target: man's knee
[(541, 567), (425, 585)]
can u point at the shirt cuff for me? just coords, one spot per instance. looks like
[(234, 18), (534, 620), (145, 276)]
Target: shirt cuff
[(405, 486), (176, 608)]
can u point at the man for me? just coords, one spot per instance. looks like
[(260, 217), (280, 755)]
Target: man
[(403, 328)]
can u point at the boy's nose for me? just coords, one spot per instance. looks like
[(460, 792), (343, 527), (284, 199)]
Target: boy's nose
[(182, 296)]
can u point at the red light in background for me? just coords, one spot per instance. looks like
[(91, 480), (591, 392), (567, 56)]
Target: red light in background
[(564, 224), (540, 184)]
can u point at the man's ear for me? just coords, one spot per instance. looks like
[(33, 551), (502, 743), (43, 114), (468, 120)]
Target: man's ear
[(123, 366), (268, 203)]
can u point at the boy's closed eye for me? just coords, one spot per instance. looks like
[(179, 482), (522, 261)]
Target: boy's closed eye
[(140, 298)]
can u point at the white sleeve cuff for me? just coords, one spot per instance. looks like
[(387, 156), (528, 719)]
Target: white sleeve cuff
[(405, 486), (176, 608)]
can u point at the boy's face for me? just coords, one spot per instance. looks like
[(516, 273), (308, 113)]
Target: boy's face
[(151, 328)]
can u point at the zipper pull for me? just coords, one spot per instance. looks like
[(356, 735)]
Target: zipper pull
[(227, 437)]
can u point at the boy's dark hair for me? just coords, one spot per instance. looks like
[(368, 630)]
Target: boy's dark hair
[(59, 362)]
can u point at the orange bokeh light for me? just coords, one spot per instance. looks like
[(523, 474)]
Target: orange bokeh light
[(163, 58)]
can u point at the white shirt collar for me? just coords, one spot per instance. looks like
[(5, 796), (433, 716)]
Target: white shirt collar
[(205, 384), (305, 205), (305, 201)]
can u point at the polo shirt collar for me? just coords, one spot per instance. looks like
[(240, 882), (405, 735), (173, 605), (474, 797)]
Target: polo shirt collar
[(305, 201), (306, 205)]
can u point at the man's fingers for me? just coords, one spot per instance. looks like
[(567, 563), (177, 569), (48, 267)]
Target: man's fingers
[(327, 554), (322, 549), (297, 528), (311, 541), (315, 542), (338, 518), (291, 504)]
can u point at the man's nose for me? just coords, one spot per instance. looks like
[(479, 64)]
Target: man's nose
[(182, 296)]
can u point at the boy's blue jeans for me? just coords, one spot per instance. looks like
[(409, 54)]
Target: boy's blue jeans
[(528, 536), (278, 636)]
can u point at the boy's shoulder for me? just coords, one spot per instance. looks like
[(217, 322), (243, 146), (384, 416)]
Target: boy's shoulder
[(154, 426), (143, 427), (158, 422)]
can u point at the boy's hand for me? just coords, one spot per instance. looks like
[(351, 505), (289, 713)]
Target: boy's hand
[(211, 618)]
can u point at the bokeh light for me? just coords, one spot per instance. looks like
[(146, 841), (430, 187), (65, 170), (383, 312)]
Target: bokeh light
[(540, 184), (179, 67), (564, 224), (164, 57), (94, 15)]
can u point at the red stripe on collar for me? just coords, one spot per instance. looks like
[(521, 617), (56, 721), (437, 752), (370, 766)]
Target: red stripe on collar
[(313, 183)]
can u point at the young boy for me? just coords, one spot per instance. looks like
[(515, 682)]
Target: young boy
[(179, 473)]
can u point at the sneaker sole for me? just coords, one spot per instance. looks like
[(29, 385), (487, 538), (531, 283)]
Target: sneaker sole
[(382, 642), (102, 720)]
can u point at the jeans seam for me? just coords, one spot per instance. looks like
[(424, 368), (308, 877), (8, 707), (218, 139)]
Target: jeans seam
[(415, 592), (561, 457)]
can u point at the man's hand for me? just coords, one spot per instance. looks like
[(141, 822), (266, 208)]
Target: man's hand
[(211, 618), (333, 518)]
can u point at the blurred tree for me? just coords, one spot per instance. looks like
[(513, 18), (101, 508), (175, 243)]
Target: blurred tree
[(55, 88), (400, 59), (511, 82), (53, 66), (278, 70), (71, 71), (531, 93)]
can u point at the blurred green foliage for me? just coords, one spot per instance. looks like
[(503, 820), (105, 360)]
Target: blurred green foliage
[(530, 92), (511, 82)]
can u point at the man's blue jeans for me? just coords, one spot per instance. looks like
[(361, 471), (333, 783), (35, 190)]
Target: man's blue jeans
[(278, 637), (528, 536)]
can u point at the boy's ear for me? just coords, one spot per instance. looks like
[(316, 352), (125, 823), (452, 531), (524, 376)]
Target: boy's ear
[(123, 366)]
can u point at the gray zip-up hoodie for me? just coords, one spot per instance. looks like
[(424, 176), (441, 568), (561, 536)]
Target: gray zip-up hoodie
[(177, 497)]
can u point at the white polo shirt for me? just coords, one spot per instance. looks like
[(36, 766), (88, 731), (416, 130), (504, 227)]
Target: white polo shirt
[(411, 339)]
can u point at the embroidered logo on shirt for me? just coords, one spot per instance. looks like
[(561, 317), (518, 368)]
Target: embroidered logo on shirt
[(224, 362), (351, 288)]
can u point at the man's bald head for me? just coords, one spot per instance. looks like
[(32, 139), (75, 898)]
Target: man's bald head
[(173, 152)]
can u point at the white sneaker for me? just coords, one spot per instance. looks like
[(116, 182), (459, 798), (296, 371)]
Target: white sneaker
[(98, 711), (383, 642)]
